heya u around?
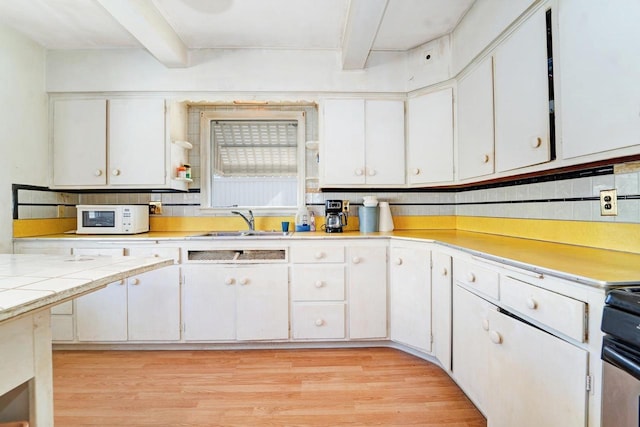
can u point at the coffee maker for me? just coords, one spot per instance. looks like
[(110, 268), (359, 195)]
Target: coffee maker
[(336, 216)]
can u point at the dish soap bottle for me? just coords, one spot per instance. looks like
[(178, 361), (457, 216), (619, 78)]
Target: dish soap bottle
[(302, 219)]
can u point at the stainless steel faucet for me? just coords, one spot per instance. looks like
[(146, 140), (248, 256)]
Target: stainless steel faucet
[(251, 222)]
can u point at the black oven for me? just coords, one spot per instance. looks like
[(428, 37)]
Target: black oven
[(621, 356)]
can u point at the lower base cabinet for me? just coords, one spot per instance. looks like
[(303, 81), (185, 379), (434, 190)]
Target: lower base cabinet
[(227, 303), (145, 307), (410, 295), (517, 374)]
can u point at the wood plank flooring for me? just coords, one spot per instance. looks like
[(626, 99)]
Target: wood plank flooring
[(318, 387)]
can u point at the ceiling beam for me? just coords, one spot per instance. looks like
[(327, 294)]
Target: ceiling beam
[(360, 31), (146, 23)]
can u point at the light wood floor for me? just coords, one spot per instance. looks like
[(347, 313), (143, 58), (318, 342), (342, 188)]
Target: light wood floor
[(324, 387)]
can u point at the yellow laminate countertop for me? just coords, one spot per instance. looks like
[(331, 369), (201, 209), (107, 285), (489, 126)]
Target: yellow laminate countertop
[(592, 266)]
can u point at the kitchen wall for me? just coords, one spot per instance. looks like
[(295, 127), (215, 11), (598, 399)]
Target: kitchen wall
[(24, 149)]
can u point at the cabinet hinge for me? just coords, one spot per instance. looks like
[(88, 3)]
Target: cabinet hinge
[(588, 383)]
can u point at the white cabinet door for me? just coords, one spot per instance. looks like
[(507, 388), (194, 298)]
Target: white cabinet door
[(410, 295), (367, 292), (154, 305), (102, 315), (80, 142), (475, 122), (430, 138), (441, 307), (209, 303), (598, 67), (384, 136), (522, 97), (137, 141), (342, 155), (262, 305), (362, 142), (537, 379), (471, 345), (222, 303)]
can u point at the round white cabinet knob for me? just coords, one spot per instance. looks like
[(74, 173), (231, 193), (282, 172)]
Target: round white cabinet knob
[(471, 277), (445, 271), (398, 261), (536, 142), (318, 284), (355, 260), (532, 304), (495, 337), (135, 281), (121, 282), (244, 281), (229, 281), (359, 172), (485, 324), (116, 172), (98, 172), (416, 171), (371, 172), (319, 255), (319, 322), (485, 158)]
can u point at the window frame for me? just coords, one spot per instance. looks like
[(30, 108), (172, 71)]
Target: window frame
[(206, 185)]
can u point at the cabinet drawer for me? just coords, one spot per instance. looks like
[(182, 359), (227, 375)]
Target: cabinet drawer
[(476, 278), (317, 254), (148, 251), (318, 321), (559, 312), (318, 283)]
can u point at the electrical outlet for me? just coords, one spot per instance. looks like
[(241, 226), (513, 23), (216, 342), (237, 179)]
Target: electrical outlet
[(608, 202)]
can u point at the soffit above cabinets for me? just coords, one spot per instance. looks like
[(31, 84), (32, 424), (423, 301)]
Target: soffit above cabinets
[(169, 28)]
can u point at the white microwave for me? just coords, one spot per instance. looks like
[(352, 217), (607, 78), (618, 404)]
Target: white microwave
[(112, 219)]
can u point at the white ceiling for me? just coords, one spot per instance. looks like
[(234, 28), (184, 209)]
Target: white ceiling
[(280, 24)]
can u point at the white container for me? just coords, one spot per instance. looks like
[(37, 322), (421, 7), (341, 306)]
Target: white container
[(370, 201), (385, 222)]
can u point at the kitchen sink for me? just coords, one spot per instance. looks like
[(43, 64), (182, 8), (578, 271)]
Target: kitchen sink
[(244, 233)]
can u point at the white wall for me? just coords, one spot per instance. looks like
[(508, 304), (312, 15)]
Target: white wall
[(223, 70), (23, 122)]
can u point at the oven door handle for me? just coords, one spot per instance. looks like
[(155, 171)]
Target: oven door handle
[(622, 359)]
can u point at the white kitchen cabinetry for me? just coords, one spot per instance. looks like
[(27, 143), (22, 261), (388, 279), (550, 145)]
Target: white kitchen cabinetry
[(536, 378), (233, 302), (475, 122), (367, 291), (117, 143), (471, 345), (598, 69), (410, 294), (141, 308), (430, 138), (521, 96), (441, 280), (518, 348), (362, 143), (79, 142)]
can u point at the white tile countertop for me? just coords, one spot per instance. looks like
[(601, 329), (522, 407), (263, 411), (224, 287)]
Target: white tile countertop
[(31, 282)]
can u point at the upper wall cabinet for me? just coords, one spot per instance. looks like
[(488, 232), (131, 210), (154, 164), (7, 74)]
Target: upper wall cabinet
[(475, 122), (362, 143), (116, 143), (430, 138), (599, 65), (521, 94)]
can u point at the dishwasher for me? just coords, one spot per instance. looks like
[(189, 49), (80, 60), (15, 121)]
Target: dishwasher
[(621, 357)]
